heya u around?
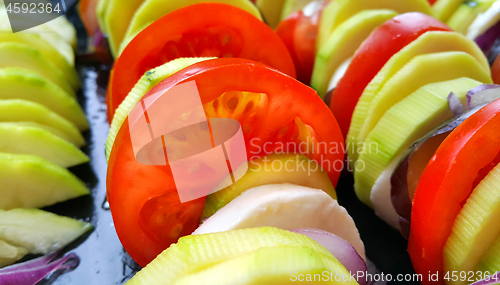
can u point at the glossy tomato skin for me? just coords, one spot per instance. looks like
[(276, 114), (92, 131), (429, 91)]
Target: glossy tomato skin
[(446, 184), (131, 184), (372, 55), (201, 30), (299, 32)]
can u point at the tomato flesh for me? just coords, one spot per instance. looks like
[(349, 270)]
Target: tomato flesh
[(201, 30), (276, 113), (447, 182), (372, 55)]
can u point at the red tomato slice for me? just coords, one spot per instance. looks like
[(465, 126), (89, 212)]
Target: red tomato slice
[(299, 33), (141, 196), (447, 183), (372, 55), (201, 30)]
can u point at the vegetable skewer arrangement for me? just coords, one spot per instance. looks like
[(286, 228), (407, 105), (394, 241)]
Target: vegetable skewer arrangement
[(411, 102), (41, 125)]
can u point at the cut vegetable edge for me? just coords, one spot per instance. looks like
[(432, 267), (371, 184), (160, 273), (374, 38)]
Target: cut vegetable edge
[(271, 265), (261, 172), (147, 81), (20, 83), (288, 206), (38, 231), (476, 226), (26, 138), (428, 68), (342, 44), (195, 252), (17, 110), (44, 183), (152, 10), (25, 56), (430, 42), (401, 125), (340, 10)]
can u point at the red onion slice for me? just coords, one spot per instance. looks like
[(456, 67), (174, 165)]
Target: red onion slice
[(482, 94), (343, 251), (488, 38), (455, 105), (31, 272), (490, 280)]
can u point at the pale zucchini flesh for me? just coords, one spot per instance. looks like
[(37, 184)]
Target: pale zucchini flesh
[(32, 182), (339, 11), (401, 125), (342, 44), (421, 70), (22, 138), (476, 227)]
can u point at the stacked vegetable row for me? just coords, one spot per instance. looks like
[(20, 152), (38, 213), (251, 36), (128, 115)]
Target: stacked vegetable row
[(322, 41), (147, 212), (394, 91), (40, 125)]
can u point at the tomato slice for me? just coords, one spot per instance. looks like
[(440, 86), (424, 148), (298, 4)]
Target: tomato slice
[(299, 31), (446, 184), (372, 55), (201, 30), (280, 115)]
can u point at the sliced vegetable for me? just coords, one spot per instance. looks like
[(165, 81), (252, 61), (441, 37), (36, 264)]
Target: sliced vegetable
[(38, 231), (340, 10), (482, 94), (118, 16), (235, 34), (271, 11), (298, 33), (476, 226), (48, 51), (487, 40), (10, 254), (466, 13), (401, 125), (285, 206), (152, 10), (185, 258), (342, 44), (372, 55), (406, 176), (149, 80), (26, 111), (343, 251), (272, 169), (24, 84), (447, 182), (284, 113), (429, 42), (43, 182), (24, 56), (22, 138), (421, 70)]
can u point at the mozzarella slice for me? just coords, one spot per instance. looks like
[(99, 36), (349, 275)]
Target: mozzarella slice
[(484, 21), (380, 196), (285, 206)]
